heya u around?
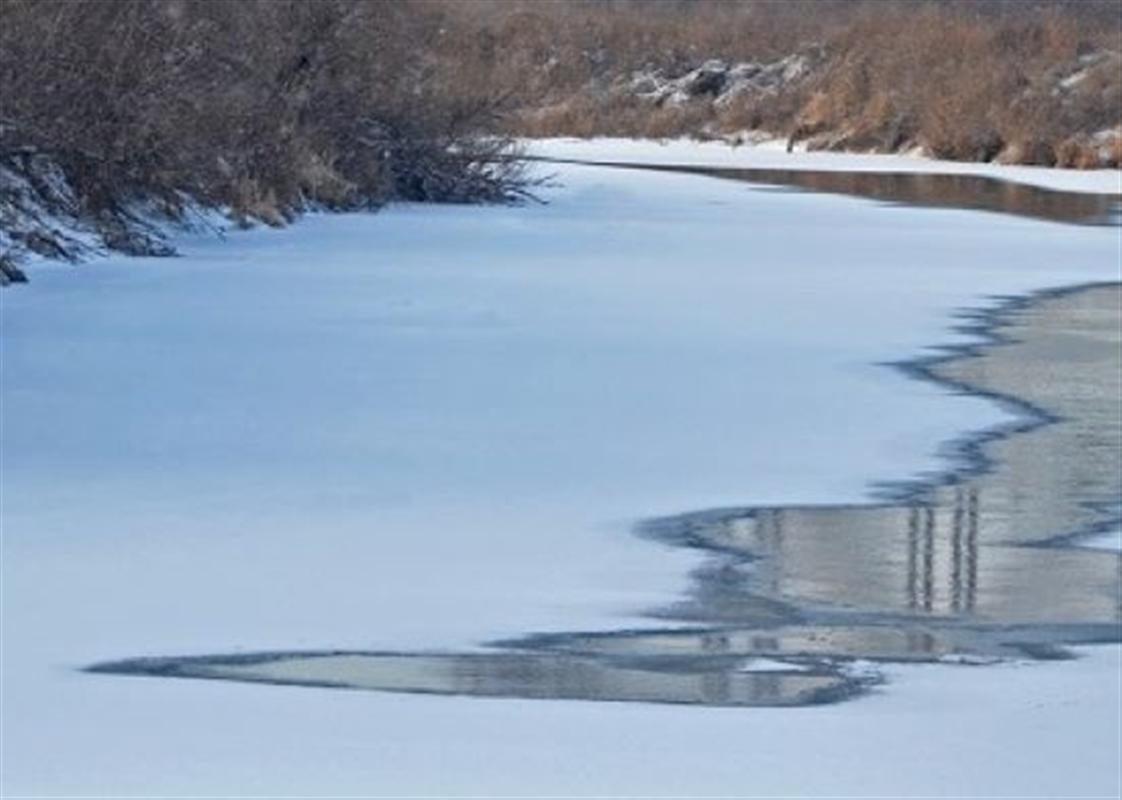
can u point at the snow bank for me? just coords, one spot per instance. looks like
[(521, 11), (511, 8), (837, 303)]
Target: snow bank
[(725, 83)]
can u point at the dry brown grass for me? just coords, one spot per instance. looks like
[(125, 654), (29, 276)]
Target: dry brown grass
[(965, 80)]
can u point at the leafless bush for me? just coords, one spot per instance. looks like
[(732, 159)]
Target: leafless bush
[(264, 106)]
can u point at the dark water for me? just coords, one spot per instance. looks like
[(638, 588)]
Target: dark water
[(795, 603), (977, 192)]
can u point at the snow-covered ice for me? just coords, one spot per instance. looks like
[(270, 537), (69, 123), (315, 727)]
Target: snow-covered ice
[(770, 665), (434, 426), (1103, 540)]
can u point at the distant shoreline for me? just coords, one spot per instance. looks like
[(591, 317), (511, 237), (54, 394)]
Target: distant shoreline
[(771, 154)]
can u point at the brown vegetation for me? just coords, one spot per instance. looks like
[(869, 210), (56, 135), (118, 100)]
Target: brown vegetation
[(111, 110), (963, 80), (261, 106)]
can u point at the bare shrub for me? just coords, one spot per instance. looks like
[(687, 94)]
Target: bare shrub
[(264, 106)]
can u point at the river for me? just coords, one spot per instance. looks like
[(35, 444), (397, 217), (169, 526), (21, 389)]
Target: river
[(428, 429)]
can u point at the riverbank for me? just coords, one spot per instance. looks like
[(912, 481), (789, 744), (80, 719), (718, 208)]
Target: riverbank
[(984, 186), (969, 81)]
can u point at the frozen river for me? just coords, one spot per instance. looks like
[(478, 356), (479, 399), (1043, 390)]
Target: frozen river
[(435, 427)]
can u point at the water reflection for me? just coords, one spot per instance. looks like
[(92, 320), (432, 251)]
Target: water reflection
[(982, 544), (978, 192), (548, 675), (967, 566)]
